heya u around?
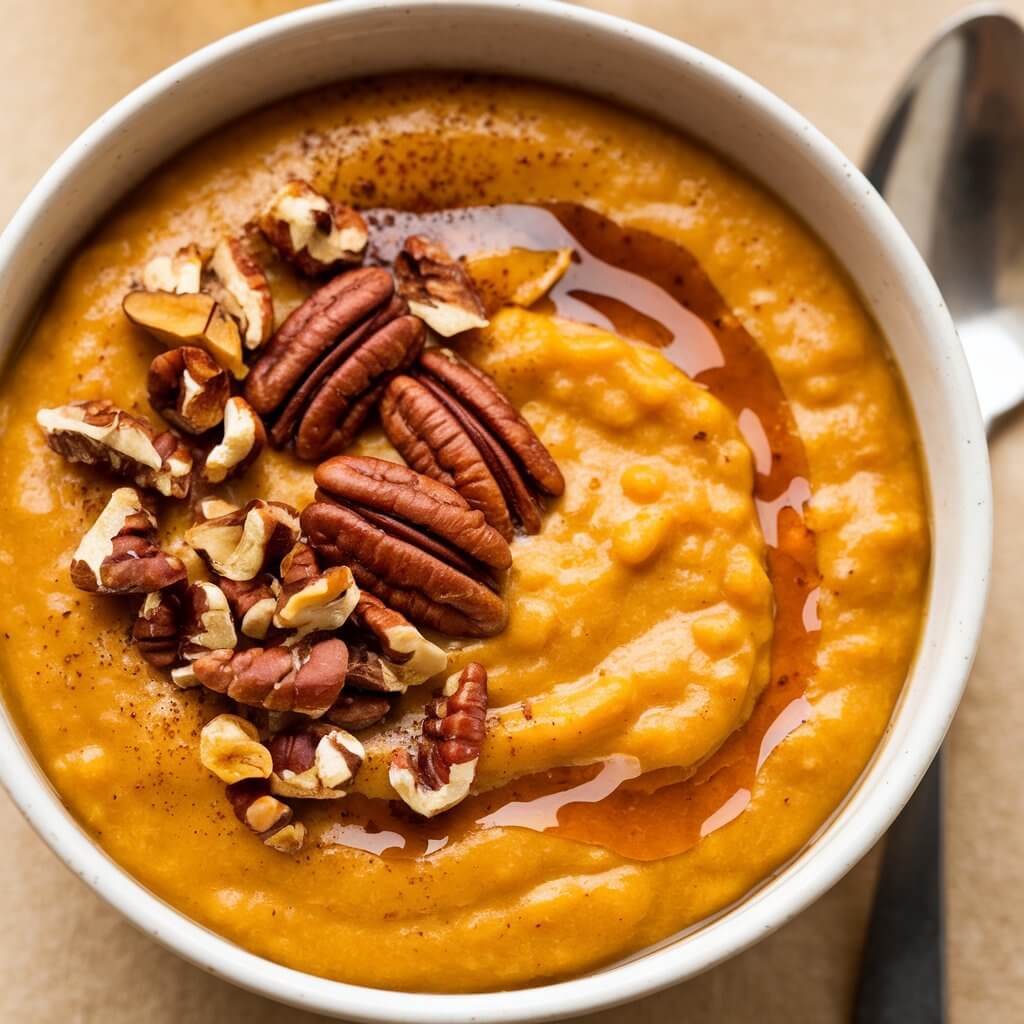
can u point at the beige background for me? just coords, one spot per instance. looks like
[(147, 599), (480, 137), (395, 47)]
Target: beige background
[(66, 957)]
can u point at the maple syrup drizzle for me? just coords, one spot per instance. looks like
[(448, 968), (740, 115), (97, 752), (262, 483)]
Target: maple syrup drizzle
[(652, 290)]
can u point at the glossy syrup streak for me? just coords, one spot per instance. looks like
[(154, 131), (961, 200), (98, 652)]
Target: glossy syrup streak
[(654, 291)]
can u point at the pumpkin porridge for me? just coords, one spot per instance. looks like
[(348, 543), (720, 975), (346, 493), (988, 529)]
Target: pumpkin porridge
[(447, 512)]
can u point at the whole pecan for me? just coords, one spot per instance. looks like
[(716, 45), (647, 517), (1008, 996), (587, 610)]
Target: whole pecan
[(321, 374), (119, 554), (98, 433), (451, 421), (305, 678), (444, 766), (188, 387), (437, 288), (413, 542)]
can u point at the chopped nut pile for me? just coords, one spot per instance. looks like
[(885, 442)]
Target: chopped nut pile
[(305, 622)]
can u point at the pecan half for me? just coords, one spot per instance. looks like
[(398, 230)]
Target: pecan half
[(244, 438), (252, 603), (180, 273), (437, 288), (357, 711), (268, 817), (189, 319), (312, 232), (208, 622), (242, 544), (314, 762), (98, 433), (240, 285), (440, 773), (451, 422), (157, 627), (411, 541), (316, 601), (188, 388), (320, 376), (305, 678), (119, 554), (230, 748)]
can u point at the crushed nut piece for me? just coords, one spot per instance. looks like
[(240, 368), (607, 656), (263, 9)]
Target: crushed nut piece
[(244, 439), (311, 603), (119, 555), (409, 658), (188, 388), (265, 815), (240, 285), (310, 231), (444, 766), (244, 543), (180, 273), (517, 277), (354, 711), (305, 678), (437, 288), (98, 433), (253, 603), (314, 762), (192, 319), (230, 747), (208, 623), (157, 628)]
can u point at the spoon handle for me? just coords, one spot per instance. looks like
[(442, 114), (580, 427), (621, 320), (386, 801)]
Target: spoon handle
[(903, 974)]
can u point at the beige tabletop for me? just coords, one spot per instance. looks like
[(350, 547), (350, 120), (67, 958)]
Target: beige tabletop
[(67, 957)]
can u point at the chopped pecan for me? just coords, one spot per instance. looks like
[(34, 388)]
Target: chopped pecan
[(311, 231), (240, 285), (314, 762), (244, 438), (252, 603), (407, 657), (157, 628), (208, 623), (443, 768), (437, 288), (305, 678), (243, 543), (98, 433), (413, 542), (188, 387), (313, 602), (358, 710), (180, 273), (119, 554), (230, 748), (451, 422), (268, 817), (188, 319), (321, 374)]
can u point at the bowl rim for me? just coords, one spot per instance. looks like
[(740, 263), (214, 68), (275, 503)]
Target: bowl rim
[(769, 905)]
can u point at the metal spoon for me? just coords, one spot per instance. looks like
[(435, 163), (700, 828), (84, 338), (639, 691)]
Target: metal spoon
[(949, 158)]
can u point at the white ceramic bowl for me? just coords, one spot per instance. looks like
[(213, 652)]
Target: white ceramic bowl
[(685, 88)]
